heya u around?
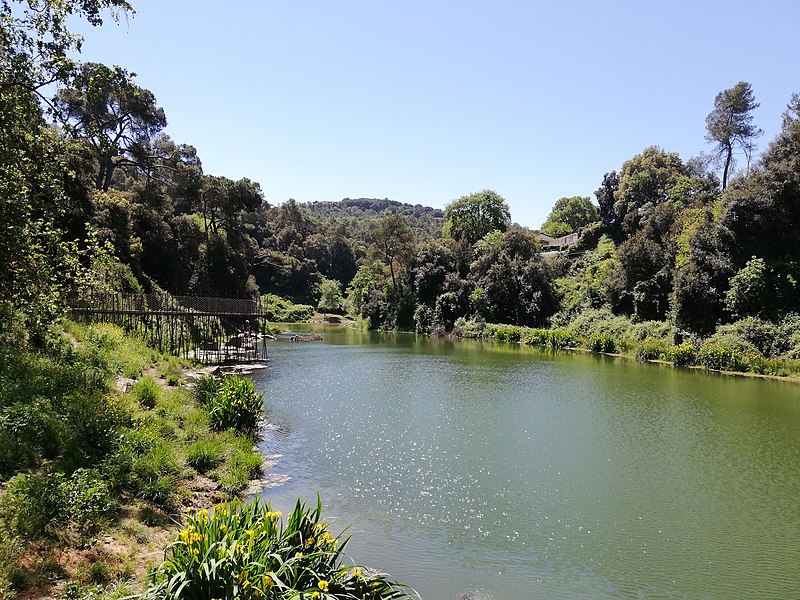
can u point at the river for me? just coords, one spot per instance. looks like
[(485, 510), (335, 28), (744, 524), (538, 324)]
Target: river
[(489, 470)]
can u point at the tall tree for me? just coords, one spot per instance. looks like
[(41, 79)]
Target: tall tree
[(114, 115), (35, 41), (36, 179), (570, 214), (394, 243), (605, 200), (471, 217), (730, 126)]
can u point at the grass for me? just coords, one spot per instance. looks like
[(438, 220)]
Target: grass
[(76, 456)]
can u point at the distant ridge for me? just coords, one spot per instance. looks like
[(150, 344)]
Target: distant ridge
[(370, 207)]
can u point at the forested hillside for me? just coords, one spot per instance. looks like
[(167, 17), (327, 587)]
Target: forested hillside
[(102, 198), (97, 196)]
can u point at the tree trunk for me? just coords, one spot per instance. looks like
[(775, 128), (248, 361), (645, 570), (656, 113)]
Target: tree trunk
[(728, 160), (103, 181)]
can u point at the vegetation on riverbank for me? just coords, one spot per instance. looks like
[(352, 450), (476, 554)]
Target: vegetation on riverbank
[(250, 552), (98, 454), (747, 346)]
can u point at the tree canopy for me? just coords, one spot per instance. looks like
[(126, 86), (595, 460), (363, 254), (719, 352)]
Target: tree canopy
[(569, 215), (471, 217), (116, 117), (730, 126)]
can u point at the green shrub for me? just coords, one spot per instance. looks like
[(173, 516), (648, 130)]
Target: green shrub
[(535, 337), (147, 392), (90, 501), (508, 333), (423, 319), (654, 330), (561, 338), (781, 367), (285, 311), (236, 405), (248, 551), (681, 355), (716, 356), (651, 349), (602, 342), (35, 506), (32, 503)]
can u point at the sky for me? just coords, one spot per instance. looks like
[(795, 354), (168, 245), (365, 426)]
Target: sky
[(427, 101)]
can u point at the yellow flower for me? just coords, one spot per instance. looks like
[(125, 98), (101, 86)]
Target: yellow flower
[(357, 574), (223, 528), (310, 542), (322, 585), (268, 581), (202, 514), (315, 594), (298, 555)]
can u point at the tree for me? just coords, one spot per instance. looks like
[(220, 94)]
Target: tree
[(330, 295), (605, 200), (642, 280), (570, 214), (645, 182), (37, 181), (471, 217), (730, 126), (114, 115), (792, 112), (512, 282), (394, 242), (222, 201), (35, 42), (432, 264)]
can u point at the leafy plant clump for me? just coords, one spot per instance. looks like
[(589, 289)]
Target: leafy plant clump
[(651, 349), (146, 392), (232, 403), (249, 551), (682, 355), (602, 342), (720, 357)]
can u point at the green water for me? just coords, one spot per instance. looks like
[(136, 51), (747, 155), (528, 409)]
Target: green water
[(478, 470)]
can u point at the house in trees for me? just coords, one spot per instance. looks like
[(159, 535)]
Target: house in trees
[(551, 244)]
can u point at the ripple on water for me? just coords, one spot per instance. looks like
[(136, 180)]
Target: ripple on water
[(514, 477)]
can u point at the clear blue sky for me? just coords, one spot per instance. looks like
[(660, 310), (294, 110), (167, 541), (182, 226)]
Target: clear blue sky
[(426, 101)]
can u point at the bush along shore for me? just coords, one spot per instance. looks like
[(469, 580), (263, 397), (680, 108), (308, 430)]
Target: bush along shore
[(107, 449), (749, 346)]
